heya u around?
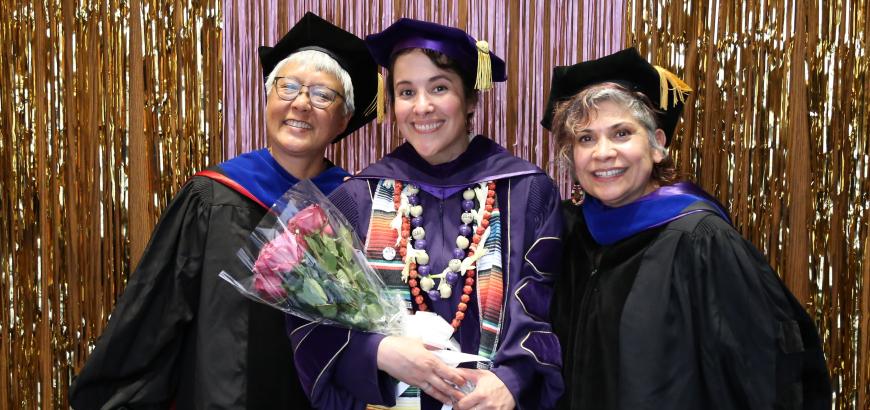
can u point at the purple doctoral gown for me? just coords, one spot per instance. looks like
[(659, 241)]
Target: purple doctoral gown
[(338, 367)]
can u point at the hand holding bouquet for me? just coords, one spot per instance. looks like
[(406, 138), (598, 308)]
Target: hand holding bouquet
[(303, 259)]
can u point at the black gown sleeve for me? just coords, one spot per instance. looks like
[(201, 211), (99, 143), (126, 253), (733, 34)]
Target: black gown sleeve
[(757, 346), (134, 362), (568, 292)]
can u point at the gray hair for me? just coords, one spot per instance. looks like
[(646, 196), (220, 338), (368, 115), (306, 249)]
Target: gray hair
[(573, 114), (318, 61)]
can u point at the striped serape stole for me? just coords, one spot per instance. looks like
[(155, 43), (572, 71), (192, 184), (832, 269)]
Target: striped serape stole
[(382, 252), (409, 400), (382, 242), (490, 289)]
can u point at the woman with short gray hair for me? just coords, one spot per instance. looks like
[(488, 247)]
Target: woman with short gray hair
[(179, 336)]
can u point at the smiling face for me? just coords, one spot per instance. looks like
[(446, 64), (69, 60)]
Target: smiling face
[(296, 129), (613, 157), (431, 107)]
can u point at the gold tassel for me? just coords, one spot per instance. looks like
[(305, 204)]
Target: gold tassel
[(484, 67), (378, 102), (381, 99), (669, 81)]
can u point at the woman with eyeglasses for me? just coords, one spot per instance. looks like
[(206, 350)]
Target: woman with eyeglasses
[(180, 336)]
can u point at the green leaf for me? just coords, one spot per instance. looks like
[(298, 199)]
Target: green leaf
[(329, 245), (345, 235), (336, 292), (344, 253), (359, 277), (341, 280), (330, 263), (360, 321), (312, 293), (328, 311), (314, 244), (374, 311)]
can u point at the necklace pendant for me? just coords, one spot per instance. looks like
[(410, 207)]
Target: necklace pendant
[(389, 253)]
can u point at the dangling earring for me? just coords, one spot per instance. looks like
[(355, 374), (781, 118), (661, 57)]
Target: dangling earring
[(578, 195)]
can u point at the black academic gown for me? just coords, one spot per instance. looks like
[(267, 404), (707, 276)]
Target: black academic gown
[(179, 334), (688, 315)]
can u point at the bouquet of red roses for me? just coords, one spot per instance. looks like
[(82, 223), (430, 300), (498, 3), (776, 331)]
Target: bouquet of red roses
[(303, 259)]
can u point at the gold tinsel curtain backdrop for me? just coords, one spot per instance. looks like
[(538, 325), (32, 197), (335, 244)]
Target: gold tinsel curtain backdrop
[(778, 131), (106, 108)]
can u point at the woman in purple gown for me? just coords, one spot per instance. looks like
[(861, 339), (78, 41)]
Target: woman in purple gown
[(457, 226)]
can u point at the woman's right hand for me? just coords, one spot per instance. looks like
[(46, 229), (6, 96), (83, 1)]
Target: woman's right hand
[(408, 360)]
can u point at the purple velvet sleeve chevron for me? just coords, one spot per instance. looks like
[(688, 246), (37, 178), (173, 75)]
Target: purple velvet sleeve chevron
[(528, 357)]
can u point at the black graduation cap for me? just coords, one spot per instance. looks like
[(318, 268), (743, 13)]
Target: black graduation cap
[(664, 89), (350, 51)]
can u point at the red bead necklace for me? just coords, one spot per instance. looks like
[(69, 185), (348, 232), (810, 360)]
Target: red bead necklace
[(470, 274)]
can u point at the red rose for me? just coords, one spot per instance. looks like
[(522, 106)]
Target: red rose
[(282, 254), (268, 285), (311, 220)]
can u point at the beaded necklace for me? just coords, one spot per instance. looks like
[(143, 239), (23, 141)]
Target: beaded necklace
[(419, 275)]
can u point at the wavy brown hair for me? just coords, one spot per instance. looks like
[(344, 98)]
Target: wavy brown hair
[(573, 114)]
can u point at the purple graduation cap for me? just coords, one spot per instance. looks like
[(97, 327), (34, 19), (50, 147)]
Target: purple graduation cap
[(664, 89), (473, 56)]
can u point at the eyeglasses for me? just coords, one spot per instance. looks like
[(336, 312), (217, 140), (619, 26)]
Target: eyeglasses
[(319, 96)]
